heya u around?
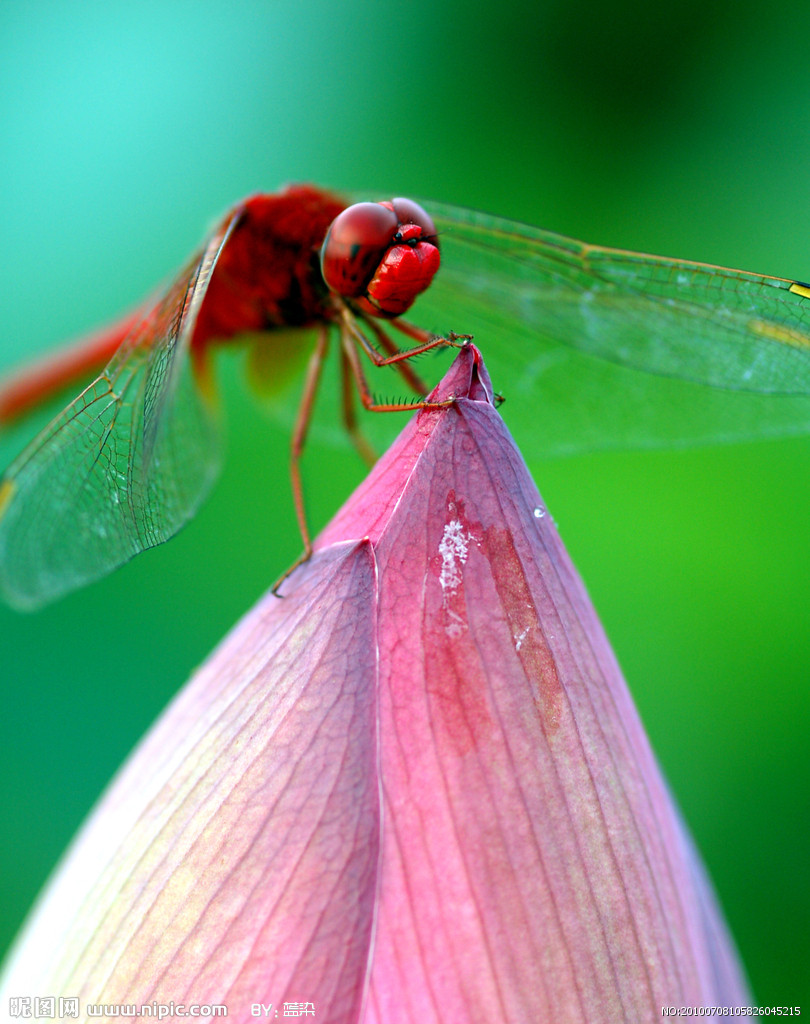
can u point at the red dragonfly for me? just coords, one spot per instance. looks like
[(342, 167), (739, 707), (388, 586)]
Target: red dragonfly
[(129, 461)]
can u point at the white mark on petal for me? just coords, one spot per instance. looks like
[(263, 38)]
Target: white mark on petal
[(453, 547), (520, 638)]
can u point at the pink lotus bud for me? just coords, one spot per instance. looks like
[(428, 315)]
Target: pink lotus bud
[(414, 790)]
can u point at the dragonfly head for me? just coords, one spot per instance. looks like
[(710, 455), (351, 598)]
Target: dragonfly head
[(380, 256)]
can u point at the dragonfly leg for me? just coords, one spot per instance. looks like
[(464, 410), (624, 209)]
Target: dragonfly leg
[(386, 342), (433, 341), (352, 340), (299, 437), (421, 335), (349, 336), (359, 440)]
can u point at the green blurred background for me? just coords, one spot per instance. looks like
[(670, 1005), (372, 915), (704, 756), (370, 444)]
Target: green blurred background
[(126, 128)]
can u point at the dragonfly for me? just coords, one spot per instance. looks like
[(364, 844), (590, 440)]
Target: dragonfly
[(598, 347)]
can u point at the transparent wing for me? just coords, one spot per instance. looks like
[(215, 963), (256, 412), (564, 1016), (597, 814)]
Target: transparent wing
[(566, 327), (125, 465)]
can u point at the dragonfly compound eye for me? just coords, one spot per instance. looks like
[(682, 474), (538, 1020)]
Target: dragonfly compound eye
[(355, 245)]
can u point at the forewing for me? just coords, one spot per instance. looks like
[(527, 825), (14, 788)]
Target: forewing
[(565, 327), (125, 465)]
